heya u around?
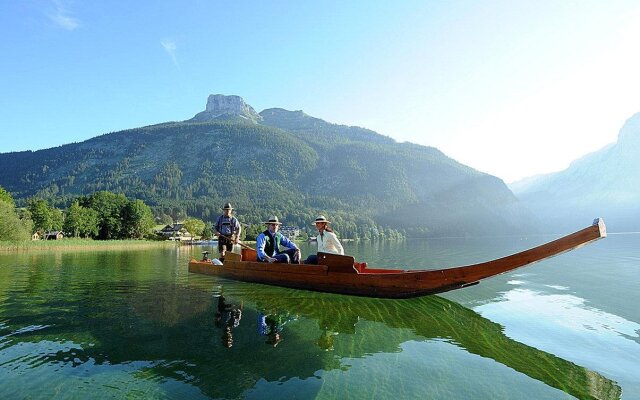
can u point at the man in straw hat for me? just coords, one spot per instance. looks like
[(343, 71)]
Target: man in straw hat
[(270, 244), (327, 240), (228, 230)]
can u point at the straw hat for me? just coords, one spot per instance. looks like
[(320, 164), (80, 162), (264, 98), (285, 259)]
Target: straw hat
[(272, 220), (227, 206), (321, 218)]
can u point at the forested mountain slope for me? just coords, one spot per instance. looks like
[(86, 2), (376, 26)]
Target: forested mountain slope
[(287, 163)]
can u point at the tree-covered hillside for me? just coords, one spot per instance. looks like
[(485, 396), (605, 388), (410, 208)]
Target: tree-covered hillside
[(291, 165)]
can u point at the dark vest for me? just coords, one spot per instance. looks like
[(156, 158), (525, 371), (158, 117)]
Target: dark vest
[(270, 244)]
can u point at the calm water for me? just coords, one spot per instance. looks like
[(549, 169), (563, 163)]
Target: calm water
[(136, 324)]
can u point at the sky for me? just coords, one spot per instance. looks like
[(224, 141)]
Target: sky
[(511, 88)]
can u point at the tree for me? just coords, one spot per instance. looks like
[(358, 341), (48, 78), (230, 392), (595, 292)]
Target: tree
[(6, 197), (252, 231), (56, 220), (89, 227), (81, 221), (194, 226), (109, 207), (73, 220), (207, 232), (137, 219), (40, 214), (11, 226)]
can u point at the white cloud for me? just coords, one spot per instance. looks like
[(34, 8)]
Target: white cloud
[(170, 47), (62, 17)]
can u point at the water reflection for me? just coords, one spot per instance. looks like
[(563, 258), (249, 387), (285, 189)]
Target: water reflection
[(535, 317), (430, 318), (227, 318), (82, 325)]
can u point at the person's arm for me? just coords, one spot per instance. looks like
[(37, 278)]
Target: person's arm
[(288, 243), (217, 227), (337, 243), (260, 244)]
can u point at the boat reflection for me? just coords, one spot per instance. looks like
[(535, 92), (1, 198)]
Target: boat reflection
[(429, 318)]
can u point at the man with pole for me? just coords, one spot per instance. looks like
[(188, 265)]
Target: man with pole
[(228, 230)]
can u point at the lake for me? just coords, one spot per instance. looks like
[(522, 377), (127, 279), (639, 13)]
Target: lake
[(135, 324)]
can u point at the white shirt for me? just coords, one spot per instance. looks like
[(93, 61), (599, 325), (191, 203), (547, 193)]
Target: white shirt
[(328, 243)]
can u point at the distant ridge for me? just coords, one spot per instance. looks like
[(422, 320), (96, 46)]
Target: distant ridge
[(605, 183)]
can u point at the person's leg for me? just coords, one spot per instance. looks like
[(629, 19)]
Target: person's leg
[(294, 256), (312, 259), (282, 258), (221, 248)]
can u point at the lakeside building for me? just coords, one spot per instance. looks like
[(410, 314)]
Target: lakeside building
[(175, 231), (291, 232)]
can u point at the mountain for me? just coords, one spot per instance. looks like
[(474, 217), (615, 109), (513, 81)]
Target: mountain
[(605, 184), (276, 162)]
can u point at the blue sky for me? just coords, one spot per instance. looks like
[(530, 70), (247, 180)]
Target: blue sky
[(511, 88)]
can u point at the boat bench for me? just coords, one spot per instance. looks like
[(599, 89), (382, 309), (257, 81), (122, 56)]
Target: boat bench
[(334, 262), (337, 263)]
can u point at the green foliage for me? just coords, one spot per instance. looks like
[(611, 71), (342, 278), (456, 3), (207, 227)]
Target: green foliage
[(12, 228), (45, 218), (6, 197), (207, 232), (194, 226), (109, 207), (137, 219), (81, 221), (252, 232)]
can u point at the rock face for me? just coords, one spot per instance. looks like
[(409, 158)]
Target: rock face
[(221, 106)]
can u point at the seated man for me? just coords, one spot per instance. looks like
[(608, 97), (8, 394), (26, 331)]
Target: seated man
[(268, 245)]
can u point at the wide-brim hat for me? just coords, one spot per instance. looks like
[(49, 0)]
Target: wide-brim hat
[(321, 218), (272, 220), (227, 206)]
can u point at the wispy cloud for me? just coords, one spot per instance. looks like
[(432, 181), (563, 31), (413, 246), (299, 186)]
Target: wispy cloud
[(62, 17), (170, 47)]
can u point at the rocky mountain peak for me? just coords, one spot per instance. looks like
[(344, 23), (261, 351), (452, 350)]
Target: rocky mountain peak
[(221, 106)]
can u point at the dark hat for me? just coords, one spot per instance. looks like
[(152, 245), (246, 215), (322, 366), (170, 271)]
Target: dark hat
[(227, 206), (273, 220), (321, 218)]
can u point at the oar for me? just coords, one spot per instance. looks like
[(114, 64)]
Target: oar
[(241, 244)]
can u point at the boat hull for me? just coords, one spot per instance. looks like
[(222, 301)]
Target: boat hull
[(341, 274)]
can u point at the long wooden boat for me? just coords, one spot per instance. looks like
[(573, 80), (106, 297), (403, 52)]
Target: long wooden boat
[(342, 274)]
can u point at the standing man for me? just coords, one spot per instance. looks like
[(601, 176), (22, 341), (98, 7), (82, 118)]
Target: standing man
[(268, 245), (228, 230)]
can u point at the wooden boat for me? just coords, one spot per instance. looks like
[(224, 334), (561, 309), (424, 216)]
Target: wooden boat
[(342, 274)]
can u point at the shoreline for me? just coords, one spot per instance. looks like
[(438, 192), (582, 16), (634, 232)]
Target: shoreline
[(81, 244)]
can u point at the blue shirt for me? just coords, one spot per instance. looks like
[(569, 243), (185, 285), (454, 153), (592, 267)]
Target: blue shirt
[(261, 242)]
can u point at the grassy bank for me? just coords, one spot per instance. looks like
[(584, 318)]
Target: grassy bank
[(81, 244)]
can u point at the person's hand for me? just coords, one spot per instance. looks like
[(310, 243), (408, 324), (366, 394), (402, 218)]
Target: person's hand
[(299, 256), (271, 259)]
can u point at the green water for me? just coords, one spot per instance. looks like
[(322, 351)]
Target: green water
[(136, 324)]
